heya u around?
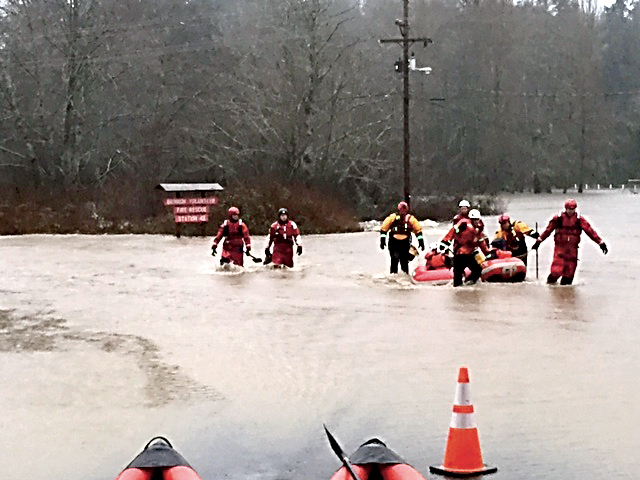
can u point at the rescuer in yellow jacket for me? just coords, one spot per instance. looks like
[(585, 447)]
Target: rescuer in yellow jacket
[(400, 226), (511, 236)]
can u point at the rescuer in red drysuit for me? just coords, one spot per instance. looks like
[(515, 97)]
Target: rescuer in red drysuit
[(467, 238), (236, 239), (463, 212), (283, 234), (568, 225)]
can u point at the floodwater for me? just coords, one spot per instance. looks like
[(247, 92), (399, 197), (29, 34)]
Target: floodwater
[(107, 341)]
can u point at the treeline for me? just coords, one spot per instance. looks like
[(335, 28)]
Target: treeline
[(103, 99)]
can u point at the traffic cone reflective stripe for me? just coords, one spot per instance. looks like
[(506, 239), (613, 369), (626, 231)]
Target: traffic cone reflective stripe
[(463, 456), (463, 409)]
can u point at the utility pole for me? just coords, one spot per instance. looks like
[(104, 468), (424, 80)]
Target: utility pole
[(406, 40)]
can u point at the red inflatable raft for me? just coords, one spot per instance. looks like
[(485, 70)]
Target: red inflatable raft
[(158, 461), (437, 276), (374, 461), (436, 268), (505, 269)]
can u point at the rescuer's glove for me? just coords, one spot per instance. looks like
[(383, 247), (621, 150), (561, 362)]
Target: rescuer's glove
[(213, 250), (536, 245), (534, 235), (603, 247), (299, 251), (248, 249), (383, 242), (421, 243)]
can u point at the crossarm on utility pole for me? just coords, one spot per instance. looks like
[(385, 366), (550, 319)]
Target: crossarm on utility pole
[(425, 41)]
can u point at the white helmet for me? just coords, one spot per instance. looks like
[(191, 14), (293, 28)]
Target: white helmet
[(464, 203), (443, 247), (433, 246), (474, 214)]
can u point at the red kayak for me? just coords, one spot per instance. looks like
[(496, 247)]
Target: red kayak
[(374, 461), (158, 461)]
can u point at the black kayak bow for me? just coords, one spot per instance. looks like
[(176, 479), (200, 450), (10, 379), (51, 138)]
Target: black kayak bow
[(341, 455)]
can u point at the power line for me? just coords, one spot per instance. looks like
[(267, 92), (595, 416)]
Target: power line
[(537, 94)]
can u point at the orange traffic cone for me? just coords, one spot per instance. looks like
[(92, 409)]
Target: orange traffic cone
[(462, 456)]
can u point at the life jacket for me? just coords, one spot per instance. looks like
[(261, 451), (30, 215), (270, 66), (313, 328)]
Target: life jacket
[(284, 232), (568, 230), (232, 230), (401, 225), (435, 260)]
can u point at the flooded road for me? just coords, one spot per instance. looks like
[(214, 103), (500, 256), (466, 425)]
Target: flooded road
[(107, 341)]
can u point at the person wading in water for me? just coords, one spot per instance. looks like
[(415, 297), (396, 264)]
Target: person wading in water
[(400, 226), (568, 225)]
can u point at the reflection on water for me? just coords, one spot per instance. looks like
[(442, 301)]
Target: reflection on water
[(106, 341), (567, 306)]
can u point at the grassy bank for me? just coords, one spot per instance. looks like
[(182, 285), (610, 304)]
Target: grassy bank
[(139, 210)]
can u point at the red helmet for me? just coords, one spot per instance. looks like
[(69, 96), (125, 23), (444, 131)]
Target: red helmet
[(233, 211), (504, 218), (403, 207), (571, 203)]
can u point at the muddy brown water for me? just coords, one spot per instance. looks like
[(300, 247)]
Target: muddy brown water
[(107, 341)]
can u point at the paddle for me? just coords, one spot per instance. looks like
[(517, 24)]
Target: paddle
[(536, 255), (341, 455), (255, 259)]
